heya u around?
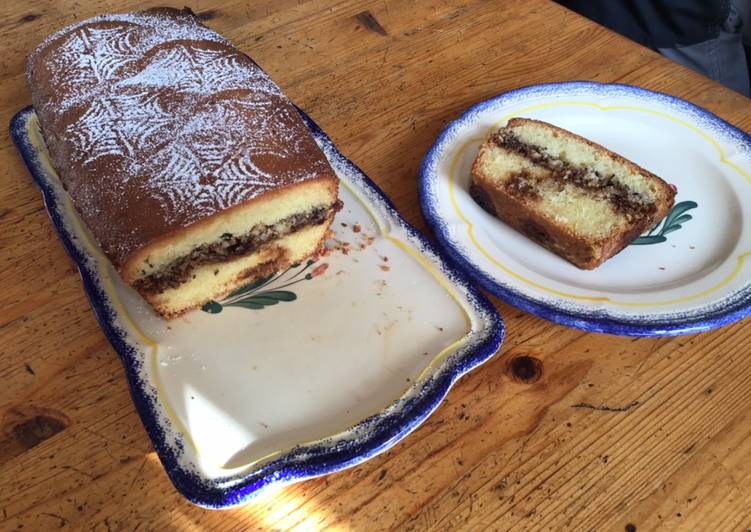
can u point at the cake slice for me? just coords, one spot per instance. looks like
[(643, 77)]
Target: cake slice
[(568, 194), (192, 170)]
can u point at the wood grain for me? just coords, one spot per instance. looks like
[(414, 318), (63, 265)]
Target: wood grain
[(561, 430)]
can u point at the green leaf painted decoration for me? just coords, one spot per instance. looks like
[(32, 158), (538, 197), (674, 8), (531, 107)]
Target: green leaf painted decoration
[(281, 295), (212, 307), (649, 239), (260, 294), (672, 222)]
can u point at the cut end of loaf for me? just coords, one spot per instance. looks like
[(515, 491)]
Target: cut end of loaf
[(572, 196), (210, 259), (213, 281)]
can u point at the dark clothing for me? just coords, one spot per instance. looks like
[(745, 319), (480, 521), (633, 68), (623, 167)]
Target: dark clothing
[(657, 23), (723, 58), (704, 35)]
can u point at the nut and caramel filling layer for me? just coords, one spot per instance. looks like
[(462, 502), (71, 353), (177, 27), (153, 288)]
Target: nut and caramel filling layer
[(230, 246), (624, 200)]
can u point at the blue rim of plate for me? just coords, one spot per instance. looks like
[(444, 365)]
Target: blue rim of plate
[(371, 436), (734, 308)]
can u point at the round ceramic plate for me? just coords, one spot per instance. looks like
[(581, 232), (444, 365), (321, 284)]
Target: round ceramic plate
[(312, 370), (690, 273)]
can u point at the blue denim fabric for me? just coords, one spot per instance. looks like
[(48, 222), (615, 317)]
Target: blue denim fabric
[(723, 58)]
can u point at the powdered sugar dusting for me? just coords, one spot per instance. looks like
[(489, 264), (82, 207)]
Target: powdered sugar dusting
[(96, 51), (160, 107), (225, 157)]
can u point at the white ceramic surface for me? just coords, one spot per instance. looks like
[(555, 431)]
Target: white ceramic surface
[(248, 382)]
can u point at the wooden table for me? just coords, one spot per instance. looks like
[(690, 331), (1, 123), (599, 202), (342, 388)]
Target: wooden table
[(611, 432)]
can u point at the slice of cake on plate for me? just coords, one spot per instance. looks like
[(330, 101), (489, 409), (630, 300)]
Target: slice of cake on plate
[(570, 195)]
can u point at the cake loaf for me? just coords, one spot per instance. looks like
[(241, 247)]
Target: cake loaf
[(570, 195), (192, 170)]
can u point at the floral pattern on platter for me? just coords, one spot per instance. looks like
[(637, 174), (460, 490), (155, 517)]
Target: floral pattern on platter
[(672, 222), (267, 291)]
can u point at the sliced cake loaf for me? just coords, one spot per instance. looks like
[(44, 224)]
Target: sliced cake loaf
[(188, 164), (570, 195)]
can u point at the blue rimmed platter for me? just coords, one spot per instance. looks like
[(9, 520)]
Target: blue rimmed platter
[(690, 273), (307, 372)]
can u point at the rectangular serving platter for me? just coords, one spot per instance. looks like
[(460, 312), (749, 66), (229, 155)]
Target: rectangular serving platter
[(308, 372)]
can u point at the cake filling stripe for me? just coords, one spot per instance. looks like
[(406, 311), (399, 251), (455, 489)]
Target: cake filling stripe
[(229, 246), (624, 200)]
